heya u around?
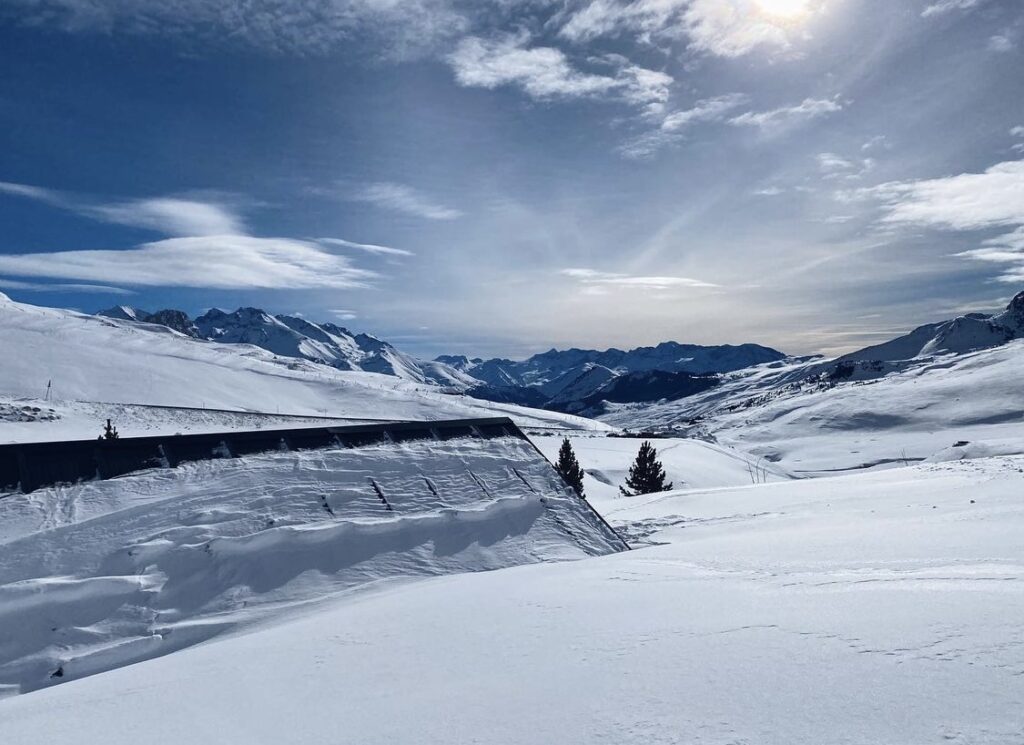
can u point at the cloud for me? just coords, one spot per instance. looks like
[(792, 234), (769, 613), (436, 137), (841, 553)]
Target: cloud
[(708, 110), (31, 192), (1017, 132), (670, 131), (542, 72), (405, 199), (222, 262), (345, 315), (169, 215), (946, 6), (399, 28), (784, 118), (367, 247), (545, 73), (210, 248), (833, 166), (968, 201), (602, 281), (14, 284), (1001, 43), (725, 28), (184, 217)]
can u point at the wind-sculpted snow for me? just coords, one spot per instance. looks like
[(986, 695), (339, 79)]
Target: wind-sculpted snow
[(865, 609), (102, 574)]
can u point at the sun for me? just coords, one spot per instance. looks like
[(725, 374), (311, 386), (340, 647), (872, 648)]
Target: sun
[(790, 10)]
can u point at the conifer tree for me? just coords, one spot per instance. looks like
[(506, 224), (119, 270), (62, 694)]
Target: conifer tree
[(109, 432), (646, 475), (569, 467)]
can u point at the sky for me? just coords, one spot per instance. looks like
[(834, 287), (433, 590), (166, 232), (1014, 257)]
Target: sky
[(499, 177)]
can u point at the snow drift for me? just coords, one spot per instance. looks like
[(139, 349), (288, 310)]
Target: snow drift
[(102, 574)]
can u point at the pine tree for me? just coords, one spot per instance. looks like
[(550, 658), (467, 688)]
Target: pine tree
[(646, 475), (569, 467), (109, 432)]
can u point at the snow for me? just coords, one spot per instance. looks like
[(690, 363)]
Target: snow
[(93, 359), (100, 574), (276, 598), (906, 415), (689, 464), (878, 607)]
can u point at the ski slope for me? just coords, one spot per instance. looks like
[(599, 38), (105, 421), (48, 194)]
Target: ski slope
[(879, 607), (102, 574), (93, 362)]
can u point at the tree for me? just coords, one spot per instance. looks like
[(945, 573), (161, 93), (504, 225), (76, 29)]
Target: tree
[(109, 432), (646, 476), (569, 467)]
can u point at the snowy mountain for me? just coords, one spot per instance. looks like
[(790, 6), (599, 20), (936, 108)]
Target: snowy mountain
[(579, 379), (289, 336), (570, 380), (541, 369), (963, 334), (95, 364), (952, 382)]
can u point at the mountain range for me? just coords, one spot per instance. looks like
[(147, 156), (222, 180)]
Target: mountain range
[(573, 380), (578, 381)]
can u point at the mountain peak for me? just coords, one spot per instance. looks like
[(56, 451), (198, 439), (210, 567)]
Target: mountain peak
[(1017, 304)]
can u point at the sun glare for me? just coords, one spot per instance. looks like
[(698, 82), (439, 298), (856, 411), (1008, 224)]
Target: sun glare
[(785, 9)]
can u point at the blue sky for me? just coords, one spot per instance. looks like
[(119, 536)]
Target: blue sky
[(499, 177)]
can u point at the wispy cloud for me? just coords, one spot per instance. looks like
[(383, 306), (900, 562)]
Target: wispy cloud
[(603, 281), (725, 28), (546, 72), (673, 125), (946, 6), (49, 196), (405, 199), (210, 248), (1001, 43), (968, 201), (344, 315), (183, 216), (782, 119), (14, 284), (707, 110), (173, 216), (399, 28), (367, 247), (836, 167), (223, 262)]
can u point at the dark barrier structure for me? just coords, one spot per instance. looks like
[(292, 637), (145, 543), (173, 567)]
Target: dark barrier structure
[(33, 465)]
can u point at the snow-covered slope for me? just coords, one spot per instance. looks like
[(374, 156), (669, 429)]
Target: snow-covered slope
[(807, 425), (874, 608), (102, 574), (689, 464), (97, 359), (962, 334)]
